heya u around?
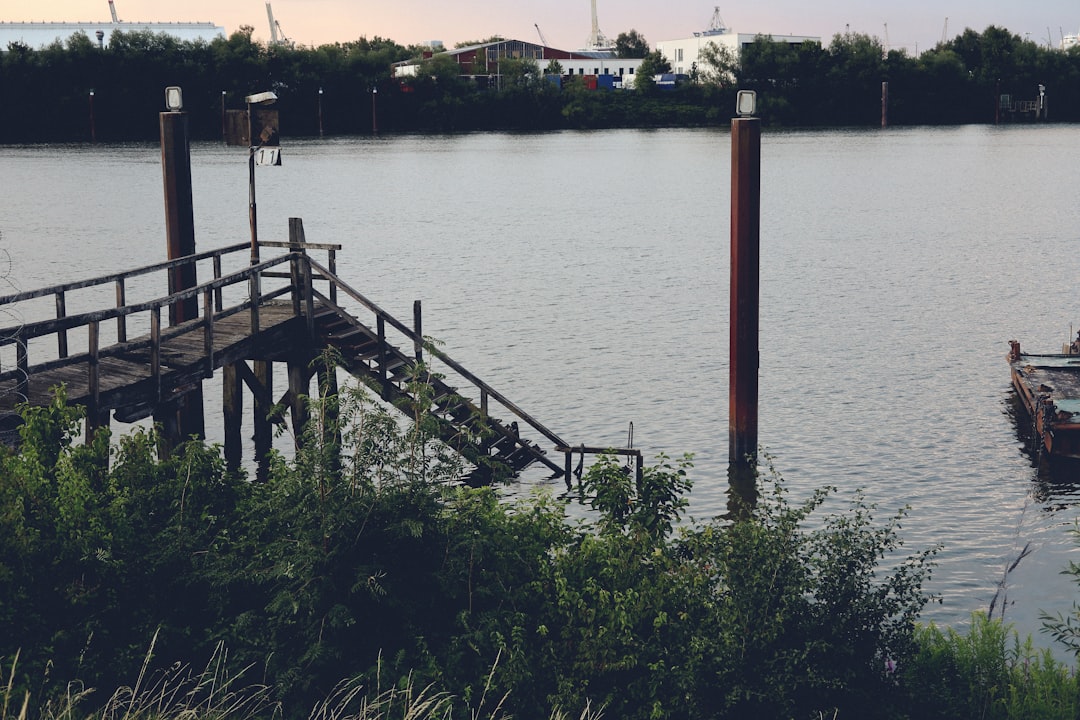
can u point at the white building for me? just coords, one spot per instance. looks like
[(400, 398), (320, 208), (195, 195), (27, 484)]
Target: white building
[(38, 35), (684, 53), (601, 64)]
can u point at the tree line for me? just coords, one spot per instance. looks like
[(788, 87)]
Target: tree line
[(76, 91)]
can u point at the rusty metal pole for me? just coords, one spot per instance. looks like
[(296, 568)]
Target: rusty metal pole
[(745, 254)]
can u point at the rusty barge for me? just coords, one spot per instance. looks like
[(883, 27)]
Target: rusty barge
[(1048, 386)]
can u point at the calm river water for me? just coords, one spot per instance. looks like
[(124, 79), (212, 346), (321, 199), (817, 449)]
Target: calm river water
[(585, 276)]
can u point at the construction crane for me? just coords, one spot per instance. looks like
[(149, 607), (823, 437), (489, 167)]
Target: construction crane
[(112, 11), (597, 39), (277, 36), (543, 40), (945, 31)]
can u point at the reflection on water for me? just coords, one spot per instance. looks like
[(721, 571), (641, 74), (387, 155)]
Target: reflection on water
[(585, 276), (1056, 485)]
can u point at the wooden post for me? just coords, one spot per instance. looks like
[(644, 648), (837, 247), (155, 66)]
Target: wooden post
[(217, 276), (885, 104), (745, 260), (61, 336), (309, 297), (208, 332), (255, 295), (121, 320), (166, 418), (264, 374), (328, 393), (180, 237), (155, 350), (179, 213), (332, 266), (232, 409), (418, 328), (380, 329), (299, 389), (22, 362), (93, 410)]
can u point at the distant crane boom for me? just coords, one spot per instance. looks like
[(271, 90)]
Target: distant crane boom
[(274, 39), (597, 39), (543, 40), (945, 31), (112, 11)]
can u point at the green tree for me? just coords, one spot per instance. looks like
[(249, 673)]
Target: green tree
[(631, 44), (716, 65), (654, 63)]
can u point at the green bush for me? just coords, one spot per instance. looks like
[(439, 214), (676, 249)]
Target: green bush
[(360, 561)]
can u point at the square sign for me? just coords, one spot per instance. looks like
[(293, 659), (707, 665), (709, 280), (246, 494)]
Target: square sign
[(268, 156)]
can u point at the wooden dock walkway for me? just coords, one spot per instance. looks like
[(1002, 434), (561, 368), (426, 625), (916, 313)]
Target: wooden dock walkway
[(275, 311)]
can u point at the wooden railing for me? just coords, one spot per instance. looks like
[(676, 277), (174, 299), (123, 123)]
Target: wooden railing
[(212, 310), (383, 319)]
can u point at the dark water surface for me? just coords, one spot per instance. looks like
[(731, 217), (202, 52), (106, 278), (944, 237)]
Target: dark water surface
[(585, 276)]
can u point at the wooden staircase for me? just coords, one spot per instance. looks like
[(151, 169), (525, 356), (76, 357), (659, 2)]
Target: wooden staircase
[(493, 447)]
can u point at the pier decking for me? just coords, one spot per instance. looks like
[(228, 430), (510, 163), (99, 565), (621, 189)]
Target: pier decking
[(287, 309)]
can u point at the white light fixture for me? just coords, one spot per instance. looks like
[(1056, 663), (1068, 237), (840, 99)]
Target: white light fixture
[(174, 98), (745, 103), (263, 98)]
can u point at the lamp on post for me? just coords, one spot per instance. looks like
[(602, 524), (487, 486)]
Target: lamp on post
[(93, 128), (374, 115), (320, 112), (262, 132)]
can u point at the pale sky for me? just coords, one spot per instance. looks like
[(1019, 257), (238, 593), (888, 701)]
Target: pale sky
[(914, 24)]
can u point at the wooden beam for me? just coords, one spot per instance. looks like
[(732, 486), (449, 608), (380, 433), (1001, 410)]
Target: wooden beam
[(232, 409), (264, 376), (299, 388)]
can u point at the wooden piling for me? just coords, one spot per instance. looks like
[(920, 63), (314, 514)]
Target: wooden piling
[(745, 260), (264, 376), (885, 104), (232, 410), (179, 212), (180, 239), (299, 389)]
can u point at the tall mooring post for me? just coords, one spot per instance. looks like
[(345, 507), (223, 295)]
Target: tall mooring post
[(885, 104), (182, 417), (745, 260)]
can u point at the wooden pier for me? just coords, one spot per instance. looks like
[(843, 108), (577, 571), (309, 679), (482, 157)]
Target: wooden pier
[(287, 310)]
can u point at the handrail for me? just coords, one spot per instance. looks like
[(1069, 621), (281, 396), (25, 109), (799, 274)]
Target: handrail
[(47, 327), (443, 357), (114, 277)]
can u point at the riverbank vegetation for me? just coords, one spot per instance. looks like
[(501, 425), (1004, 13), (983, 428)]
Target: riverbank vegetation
[(361, 581), (74, 90)]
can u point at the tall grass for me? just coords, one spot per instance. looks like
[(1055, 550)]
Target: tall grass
[(179, 693), (988, 672)]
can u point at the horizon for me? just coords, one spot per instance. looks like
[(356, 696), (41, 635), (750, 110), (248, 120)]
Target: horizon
[(566, 24)]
